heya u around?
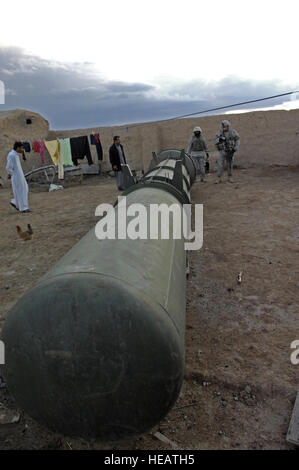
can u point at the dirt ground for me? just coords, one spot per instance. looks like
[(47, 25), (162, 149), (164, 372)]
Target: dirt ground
[(240, 386)]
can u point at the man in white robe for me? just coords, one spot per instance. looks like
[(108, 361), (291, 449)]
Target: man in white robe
[(16, 174)]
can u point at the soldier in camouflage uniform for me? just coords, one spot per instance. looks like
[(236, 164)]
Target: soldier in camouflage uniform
[(227, 142), (198, 149)]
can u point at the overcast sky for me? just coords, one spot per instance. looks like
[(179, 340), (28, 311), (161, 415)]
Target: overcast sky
[(92, 63)]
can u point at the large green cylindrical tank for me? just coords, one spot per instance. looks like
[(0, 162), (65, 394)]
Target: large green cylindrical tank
[(96, 348)]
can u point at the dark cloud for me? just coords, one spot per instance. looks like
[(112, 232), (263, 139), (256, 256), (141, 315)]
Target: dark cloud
[(73, 95)]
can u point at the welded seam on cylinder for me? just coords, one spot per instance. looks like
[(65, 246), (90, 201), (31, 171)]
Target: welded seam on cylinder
[(171, 169), (157, 167), (166, 179)]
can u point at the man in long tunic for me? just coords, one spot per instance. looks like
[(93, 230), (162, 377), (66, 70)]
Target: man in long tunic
[(16, 174)]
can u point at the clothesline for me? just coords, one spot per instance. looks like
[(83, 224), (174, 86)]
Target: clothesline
[(67, 151)]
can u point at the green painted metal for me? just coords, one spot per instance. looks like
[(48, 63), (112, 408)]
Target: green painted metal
[(96, 348)]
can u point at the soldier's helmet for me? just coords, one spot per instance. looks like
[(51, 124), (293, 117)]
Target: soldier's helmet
[(196, 129), (225, 123)]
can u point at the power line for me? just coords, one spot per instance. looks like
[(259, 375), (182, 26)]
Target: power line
[(212, 109), (233, 105)]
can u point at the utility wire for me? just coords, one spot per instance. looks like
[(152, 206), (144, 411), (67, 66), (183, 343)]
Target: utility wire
[(233, 105), (212, 109)]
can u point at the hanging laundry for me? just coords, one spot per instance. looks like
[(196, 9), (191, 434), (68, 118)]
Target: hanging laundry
[(66, 152), (36, 146), (54, 149), (42, 149), (95, 140), (39, 147), (80, 149), (27, 146)]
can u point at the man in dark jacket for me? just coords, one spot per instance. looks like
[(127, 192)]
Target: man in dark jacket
[(117, 158)]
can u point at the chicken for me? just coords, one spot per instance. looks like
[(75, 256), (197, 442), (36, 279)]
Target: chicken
[(25, 235)]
